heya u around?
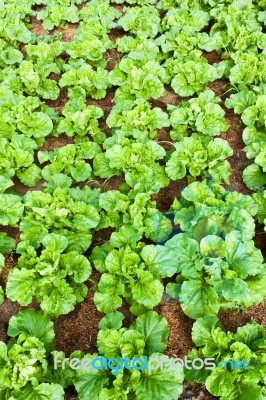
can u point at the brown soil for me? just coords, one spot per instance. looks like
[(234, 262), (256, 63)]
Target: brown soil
[(78, 330), (179, 342)]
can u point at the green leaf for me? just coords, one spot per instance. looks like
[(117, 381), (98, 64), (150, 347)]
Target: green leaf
[(198, 299), (30, 176), (44, 391), (56, 299), (90, 383), (155, 331), (21, 285), (254, 177), (108, 298), (37, 124), (234, 289), (108, 342), (33, 323), (147, 290), (11, 209), (160, 384), (213, 246), (7, 244), (112, 321)]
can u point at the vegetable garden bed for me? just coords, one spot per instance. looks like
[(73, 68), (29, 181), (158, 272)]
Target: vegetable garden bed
[(132, 181)]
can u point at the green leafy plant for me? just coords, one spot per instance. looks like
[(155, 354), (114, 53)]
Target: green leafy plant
[(137, 119), (69, 160), (138, 161), (214, 255), (53, 275), (87, 80), (79, 120), (191, 74), (11, 209), (136, 212), (57, 13), (200, 114), (100, 16), (200, 156), (138, 79), (248, 69), (226, 381), (72, 213), (143, 50), (235, 28), (129, 271), (15, 30), (90, 43), (24, 361), (147, 336), (141, 21)]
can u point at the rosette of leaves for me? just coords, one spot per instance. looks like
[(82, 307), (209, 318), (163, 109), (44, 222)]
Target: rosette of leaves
[(24, 115), (200, 156), (236, 28), (135, 213), (189, 19), (87, 80), (14, 24), (32, 77), (17, 159), (200, 114), (58, 13), (139, 49), (215, 261), (238, 209), (128, 272), (9, 54), (137, 119), (26, 359), (247, 344), (100, 16), (146, 337), (80, 120), (51, 274), (138, 79), (11, 209), (7, 244), (90, 44), (179, 43), (137, 161), (72, 213), (24, 123), (248, 69), (191, 74), (42, 60), (70, 160), (143, 21)]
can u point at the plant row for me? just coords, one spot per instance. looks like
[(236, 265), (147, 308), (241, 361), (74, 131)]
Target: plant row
[(213, 262)]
